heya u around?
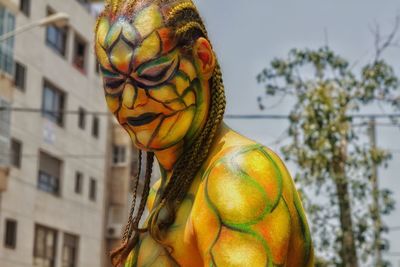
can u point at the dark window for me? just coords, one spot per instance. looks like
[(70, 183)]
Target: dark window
[(78, 182), (119, 154), (79, 59), (95, 126), (53, 104), (25, 7), (16, 153), (44, 251), (7, 24), (93, 189), (20, 76), (82, 118), (49, 174), (56, 36), (70, 250), (10, 237), (97, 67)]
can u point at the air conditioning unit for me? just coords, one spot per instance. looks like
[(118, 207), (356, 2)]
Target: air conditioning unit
[(114, 231)]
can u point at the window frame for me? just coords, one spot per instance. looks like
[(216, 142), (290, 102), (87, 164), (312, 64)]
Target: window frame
[(78, 186), (82, 67), (20, 82), (16, 162), (36, 256), (95, 126), (82, 114), (46, 182), (119, 155), (58, 100), (8, 21), (73, 243), (60, 42), (93, 189), (10, 235), (25, 9)]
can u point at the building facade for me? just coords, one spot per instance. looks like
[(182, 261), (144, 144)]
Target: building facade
[(53, 191)]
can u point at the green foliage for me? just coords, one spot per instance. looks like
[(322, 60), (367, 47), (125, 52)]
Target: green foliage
[(326, 144)]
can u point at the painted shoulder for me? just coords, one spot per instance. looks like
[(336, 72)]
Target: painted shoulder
[(250, 191), (244, 184)]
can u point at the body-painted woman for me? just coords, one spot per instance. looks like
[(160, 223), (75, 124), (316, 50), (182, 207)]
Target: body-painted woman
[(223, 200)]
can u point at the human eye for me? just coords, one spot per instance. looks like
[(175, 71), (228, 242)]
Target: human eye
[(113, 82), (157, 71)]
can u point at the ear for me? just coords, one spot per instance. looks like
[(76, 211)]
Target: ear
[(204, 57)]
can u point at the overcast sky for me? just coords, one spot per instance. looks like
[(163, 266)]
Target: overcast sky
[(247, 35)]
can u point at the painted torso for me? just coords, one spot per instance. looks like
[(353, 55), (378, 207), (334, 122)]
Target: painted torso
[(242, 210)]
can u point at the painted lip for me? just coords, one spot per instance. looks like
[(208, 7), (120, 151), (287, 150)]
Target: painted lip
[(143, 119)]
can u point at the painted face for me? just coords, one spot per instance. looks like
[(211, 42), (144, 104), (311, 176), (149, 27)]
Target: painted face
[(150, 85)]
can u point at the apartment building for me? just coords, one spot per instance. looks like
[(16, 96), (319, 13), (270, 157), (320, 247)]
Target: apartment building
[(53, 187)]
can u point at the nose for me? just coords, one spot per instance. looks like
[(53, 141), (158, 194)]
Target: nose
[(133, 97)]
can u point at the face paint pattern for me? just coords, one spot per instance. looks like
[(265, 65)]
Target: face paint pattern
[(150, 86)]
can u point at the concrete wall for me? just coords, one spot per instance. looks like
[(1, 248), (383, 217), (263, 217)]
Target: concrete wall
[(78, 149)]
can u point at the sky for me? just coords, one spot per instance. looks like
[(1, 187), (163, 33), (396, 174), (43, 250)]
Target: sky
[(247, 35)]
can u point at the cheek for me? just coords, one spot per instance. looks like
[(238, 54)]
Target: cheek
[(113, 103), (188, 68)]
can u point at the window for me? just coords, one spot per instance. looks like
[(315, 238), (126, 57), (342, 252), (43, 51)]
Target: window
[(53, 104), (49, 174), (82, 118), (95, 126), (97, 67), (19, 76), (16, 152), (25, 7), (79, 58), (93, 189), (10, 237), (44, 251), (119, 154), (56, 37), (70, 250), (7, 24), (78, 182)]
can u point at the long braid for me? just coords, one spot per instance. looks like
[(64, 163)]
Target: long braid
[(184, 18), (189, 163), (128, 228), (119, 255)]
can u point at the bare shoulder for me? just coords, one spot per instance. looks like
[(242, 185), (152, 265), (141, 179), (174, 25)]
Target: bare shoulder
[(252, 206), (244, 183)]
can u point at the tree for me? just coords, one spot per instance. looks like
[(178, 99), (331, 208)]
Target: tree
[(328, 144)]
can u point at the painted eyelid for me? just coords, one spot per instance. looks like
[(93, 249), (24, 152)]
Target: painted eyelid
[(108, 74), (154, 71)]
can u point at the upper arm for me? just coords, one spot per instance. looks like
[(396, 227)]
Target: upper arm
[(253, 223)]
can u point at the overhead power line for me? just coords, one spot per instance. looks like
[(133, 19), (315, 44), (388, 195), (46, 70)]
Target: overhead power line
[(227, 116), (278, 117), (39, 110)]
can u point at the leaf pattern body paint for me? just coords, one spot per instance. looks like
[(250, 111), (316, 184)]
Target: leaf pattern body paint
[(242, 210), (150, 85)]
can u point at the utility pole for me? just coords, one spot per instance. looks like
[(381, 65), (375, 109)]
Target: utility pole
[(375, 209)]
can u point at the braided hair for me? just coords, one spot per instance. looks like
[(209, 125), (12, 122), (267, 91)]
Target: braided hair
[(182, 16)]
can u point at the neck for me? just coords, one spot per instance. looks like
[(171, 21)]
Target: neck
[(168, 158)]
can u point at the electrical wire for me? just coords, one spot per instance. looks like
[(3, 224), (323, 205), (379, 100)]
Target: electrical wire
[(228, 116)]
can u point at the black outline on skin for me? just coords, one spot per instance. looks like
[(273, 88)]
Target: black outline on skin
[(226, 160)]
